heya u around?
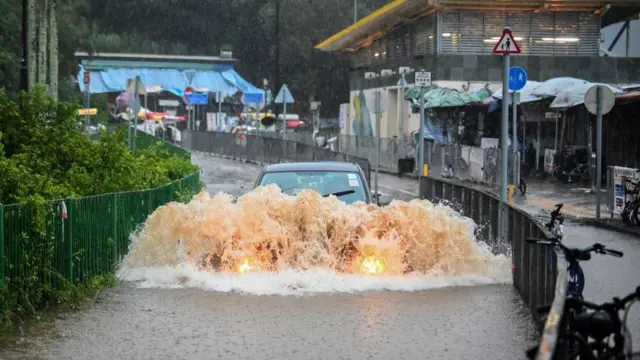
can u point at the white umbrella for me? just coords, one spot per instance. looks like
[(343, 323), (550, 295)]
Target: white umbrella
[(525, 94), (574, 96), (553, 87)]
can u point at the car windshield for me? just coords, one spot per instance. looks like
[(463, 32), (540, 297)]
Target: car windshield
[(324, 182)]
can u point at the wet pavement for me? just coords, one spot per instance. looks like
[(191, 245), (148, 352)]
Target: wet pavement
[(134, 323)]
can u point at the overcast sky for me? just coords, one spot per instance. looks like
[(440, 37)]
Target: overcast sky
[(610, 33)]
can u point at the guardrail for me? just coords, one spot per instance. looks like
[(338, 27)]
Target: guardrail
[(265, 150), (74, 239), (539, 273)]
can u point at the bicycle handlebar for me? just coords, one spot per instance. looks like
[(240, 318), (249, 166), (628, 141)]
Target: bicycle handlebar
[(616, 305), (597, 248), (555, 216)]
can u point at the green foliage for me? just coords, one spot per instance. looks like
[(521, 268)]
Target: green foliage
[(45, 155)]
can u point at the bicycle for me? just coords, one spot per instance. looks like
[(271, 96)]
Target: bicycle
[(572, 255), (631, 208), (596, 322)]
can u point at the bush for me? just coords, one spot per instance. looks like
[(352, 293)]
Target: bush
[(43, 154)]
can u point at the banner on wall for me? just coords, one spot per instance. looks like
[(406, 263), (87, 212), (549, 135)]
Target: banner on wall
[(619, 173), (549, 160), (344, 115)]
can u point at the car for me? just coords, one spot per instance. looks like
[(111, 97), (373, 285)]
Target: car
[(342, 179)]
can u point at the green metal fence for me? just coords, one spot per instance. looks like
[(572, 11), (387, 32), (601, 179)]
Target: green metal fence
[(76, 239)]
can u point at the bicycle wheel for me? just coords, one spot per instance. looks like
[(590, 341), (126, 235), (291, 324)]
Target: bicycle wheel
[(635, 215), (557, 173)]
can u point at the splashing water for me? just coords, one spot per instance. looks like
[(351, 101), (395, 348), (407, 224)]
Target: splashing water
[(268, 242)]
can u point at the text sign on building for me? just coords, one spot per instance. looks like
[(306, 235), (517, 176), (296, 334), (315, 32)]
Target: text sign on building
[(423, 79), (169, 103), (197, 99), (507, 44)]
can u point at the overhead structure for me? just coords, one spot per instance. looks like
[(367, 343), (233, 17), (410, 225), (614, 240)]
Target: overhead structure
[(109, 73), (400, 12)]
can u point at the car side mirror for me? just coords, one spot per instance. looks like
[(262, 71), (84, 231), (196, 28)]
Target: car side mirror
[(381, 200)]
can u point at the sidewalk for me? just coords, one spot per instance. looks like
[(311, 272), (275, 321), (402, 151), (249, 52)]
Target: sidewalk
[(543, 195)]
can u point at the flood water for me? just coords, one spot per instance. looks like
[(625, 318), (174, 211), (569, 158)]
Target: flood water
[(291, 315)]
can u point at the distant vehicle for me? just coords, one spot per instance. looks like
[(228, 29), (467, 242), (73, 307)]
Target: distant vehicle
[(341, 179)]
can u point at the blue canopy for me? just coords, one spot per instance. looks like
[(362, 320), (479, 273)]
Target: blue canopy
[(220, 78)]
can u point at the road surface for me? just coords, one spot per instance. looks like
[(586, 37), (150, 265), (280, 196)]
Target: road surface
[(129, 322)]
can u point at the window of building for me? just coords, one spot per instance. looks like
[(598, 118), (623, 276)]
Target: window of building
[(537, 34)]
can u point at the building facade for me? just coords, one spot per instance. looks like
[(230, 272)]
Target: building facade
[(454, 41)]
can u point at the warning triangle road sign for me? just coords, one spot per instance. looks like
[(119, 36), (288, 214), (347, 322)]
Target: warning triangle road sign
[(284, 96), (507, 44)]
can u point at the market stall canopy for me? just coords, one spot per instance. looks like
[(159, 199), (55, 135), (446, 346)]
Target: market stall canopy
[(220, 78), (437, 97), (555, 86), (526, 94), (574, 95)]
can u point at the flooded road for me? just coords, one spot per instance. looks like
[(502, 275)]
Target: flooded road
[(134, 322)]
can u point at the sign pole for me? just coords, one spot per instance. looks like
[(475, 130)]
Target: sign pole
[(219, 108), (378, 111), (421, 138), (422, 80), (401, 119), (87, 99), (514, 143), (135, 127), (599, 97)]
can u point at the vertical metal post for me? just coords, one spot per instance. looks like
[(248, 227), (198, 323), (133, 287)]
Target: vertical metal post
[(598, 150), (355, 11), (505, 128), (284, 122), (378, 111), (538, 144), (421, 138), (219, 108), (69, 238), (401, 120), (135, 116), (87, 101), (514, 142), (504, 139)]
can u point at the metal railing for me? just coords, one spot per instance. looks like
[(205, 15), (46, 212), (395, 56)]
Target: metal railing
[(265, 150), (539, 273), (74, 239), (480, 165)]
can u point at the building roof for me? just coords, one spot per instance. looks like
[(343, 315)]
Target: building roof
[(400, 12), (152, 57), (312, 166)]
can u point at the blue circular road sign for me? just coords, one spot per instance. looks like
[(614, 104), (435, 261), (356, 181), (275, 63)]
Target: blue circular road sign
[(517, 78)]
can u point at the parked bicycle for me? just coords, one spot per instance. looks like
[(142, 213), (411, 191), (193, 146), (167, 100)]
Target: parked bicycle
[(632, 207), (573, 256), (588, 333)]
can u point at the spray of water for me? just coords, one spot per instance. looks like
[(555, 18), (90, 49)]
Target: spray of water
[(269, 242)]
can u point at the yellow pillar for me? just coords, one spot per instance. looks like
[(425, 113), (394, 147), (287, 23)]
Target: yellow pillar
[(512, 190)]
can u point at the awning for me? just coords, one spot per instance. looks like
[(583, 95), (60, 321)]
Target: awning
[(225, 80)]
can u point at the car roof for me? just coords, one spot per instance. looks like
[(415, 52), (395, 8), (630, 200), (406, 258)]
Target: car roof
[(312, 166)]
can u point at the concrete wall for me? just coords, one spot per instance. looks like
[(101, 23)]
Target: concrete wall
[(488, 69)]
